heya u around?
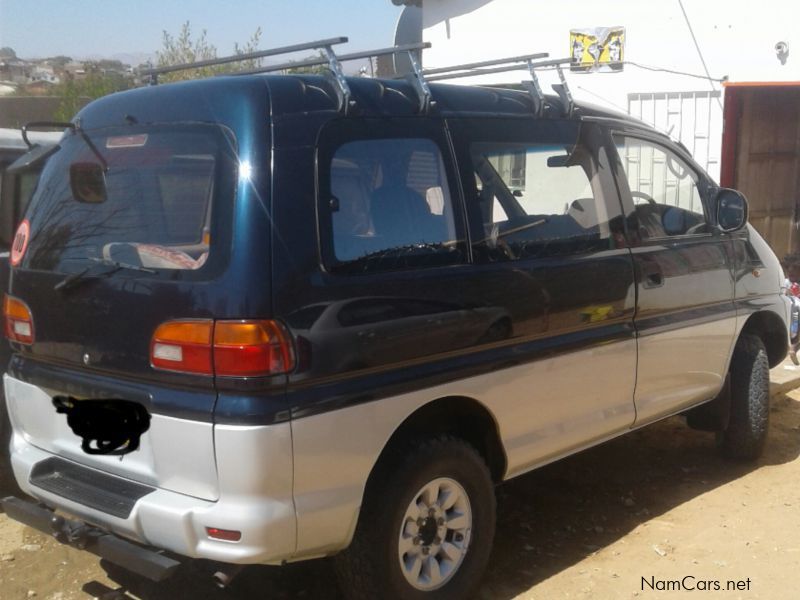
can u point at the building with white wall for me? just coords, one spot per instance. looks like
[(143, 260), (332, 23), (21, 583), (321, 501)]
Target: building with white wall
[(723, 77)]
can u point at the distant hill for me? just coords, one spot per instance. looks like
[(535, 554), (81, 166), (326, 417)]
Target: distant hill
[(126, 58)]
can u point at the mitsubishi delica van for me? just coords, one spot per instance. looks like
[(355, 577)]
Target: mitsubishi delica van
[(259, 319)]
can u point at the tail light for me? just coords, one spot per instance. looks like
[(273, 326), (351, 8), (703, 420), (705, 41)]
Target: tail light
[(183, 346), (251, 348), (223, 348), (19, 320)]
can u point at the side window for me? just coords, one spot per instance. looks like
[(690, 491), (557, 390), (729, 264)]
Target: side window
[(539, 200), (390, 206), (664, 189), (17, 189), (27, 181)]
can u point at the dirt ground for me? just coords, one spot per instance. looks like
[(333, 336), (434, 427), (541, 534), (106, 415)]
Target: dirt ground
[(629, 519)]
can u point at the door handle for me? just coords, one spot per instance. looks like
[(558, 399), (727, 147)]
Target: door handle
[(652, 275), (653, 280)]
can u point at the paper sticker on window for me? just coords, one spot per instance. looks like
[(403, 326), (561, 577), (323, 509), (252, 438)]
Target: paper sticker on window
[(597, 49), (20, 243), (127, 141)]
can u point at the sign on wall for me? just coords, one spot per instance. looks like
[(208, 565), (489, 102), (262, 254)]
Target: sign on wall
[(597, 49)]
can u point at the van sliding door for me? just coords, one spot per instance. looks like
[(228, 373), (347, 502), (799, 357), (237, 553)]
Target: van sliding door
[(547, 241)]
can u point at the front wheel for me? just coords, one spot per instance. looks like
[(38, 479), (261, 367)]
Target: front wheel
[(746, 434), (426, 527)]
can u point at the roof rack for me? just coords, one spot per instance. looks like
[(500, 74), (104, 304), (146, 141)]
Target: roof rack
[(329, 59), (154, 73), (418, 77), (468, 69), (562, 89), (333, 62), (527, 62)]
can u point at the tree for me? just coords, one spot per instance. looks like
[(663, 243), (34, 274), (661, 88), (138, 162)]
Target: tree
[(182, 49), (313, 70), (59, 61), (75, 92)]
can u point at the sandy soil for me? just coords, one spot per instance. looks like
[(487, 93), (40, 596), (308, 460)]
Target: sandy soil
[(625, 520)]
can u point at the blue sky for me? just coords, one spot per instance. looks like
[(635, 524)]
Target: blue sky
[(79, 28)]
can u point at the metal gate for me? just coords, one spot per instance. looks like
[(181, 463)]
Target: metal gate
[(694, 118)]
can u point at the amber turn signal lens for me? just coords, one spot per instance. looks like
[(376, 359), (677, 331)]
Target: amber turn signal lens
[(183, 346), (18, 320)]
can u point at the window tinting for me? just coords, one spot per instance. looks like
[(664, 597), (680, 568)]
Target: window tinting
[(390, 205), (538, 200), (155, 212), (663, 187)]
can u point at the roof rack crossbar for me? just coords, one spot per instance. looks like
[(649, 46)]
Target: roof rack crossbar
[(385, 51), (526, 65), (154, 73), (535, 91), (313, 62), (486, 63), (476, 72), (417, 79), (564, 93), (342, 87)]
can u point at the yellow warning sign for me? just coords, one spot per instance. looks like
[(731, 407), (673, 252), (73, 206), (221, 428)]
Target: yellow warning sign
[(597, 48)]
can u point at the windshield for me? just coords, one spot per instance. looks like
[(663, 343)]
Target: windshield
[(143, 197)]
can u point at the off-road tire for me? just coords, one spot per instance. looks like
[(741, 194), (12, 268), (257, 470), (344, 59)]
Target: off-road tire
[(369, 568), (746, 433)]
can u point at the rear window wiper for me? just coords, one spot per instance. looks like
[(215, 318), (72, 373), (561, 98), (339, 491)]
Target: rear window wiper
[(121, 265), (74, 279)]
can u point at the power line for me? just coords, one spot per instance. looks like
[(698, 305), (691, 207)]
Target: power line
[(699, 52), (706, 77), (674, 72)]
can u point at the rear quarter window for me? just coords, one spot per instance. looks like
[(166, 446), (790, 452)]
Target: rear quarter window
[(386, 198)]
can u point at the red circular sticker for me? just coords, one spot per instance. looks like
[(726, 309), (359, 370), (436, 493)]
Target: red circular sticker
[(20, 243)]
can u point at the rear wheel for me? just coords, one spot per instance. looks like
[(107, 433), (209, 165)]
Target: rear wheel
[(746, 434), (426, 527)]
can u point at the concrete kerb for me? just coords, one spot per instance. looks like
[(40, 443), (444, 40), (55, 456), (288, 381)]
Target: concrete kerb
[(784, 378)]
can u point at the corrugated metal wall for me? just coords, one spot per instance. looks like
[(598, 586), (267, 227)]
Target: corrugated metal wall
[(694, 118)]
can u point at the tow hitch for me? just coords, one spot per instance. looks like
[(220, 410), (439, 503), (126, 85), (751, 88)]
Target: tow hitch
[(68, 531), (143, 561)]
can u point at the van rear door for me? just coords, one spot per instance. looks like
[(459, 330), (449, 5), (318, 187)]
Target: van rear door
[(128, 229)]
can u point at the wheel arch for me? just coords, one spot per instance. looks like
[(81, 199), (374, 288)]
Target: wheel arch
[(771, 329), (459, 416)]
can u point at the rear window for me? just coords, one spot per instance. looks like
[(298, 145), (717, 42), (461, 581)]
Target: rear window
[(143, 197)]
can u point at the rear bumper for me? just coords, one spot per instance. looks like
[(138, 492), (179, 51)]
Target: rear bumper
[(254, 466), (146, 562)]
